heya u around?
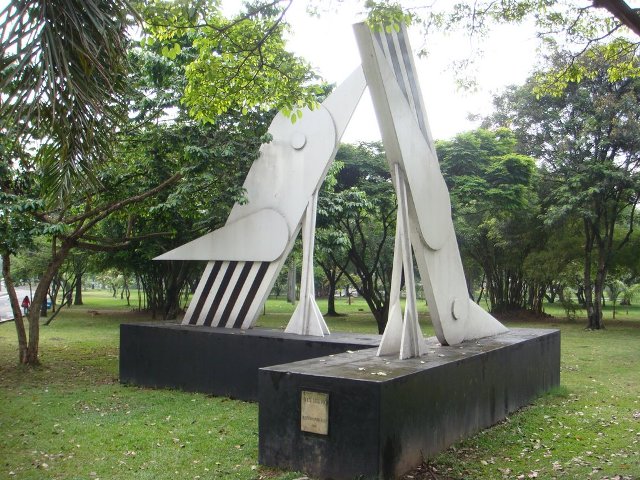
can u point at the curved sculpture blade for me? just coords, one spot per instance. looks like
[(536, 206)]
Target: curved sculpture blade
[(235, 285), (237, 240), (390, 73)]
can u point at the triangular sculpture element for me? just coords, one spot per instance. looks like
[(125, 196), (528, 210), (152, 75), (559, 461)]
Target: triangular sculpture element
[(397, 99), (246, 255)]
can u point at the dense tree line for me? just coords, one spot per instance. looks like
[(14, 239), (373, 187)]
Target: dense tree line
[(126, 148), (544, 198), (98, 152)]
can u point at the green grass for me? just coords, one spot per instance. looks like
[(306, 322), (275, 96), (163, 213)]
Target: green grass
[(584, 429), (354, 318), (71, 419)]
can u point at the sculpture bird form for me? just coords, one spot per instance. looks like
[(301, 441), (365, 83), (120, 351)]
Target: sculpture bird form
[(246, 255)]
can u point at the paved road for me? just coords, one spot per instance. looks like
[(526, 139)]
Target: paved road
[(5, 306)]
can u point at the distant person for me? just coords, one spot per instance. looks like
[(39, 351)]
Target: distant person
[(25, 304)]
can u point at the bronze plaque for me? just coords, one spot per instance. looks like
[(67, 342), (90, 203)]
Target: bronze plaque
[(314, 412)]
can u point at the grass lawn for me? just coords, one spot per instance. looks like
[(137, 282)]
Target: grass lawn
[(71, 419)]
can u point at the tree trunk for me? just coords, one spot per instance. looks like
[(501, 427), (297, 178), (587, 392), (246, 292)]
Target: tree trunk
[(78, 298), (381, 316), (331, 301), (40, 299), (333, 277), (53, 316), (595, 313), (175, 281), (580, 296), (53, 293), (596, 321), (561, 294), (127, 292), (291, 281), (15, 307), (484, 275), (592, 290)]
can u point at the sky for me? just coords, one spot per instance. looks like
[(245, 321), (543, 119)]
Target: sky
[(328, 44)]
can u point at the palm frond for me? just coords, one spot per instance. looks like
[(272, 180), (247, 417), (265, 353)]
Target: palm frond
[(62, 67)]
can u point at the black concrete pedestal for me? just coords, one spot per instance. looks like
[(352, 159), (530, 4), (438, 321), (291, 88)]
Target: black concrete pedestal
[(386, 415), (220, 361)]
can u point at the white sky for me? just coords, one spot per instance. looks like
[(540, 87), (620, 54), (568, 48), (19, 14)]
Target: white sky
[(329, 45)]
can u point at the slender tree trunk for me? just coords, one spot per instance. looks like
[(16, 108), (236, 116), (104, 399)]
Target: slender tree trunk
[(596, 322), (127, 292), (40, 298), (54, 315), (378, 302), (78, 297), (176, 280), (580, 296), (381, 316), (595, 314), (54, 288), (69, 295), (588, 299), (331, 300), (291, 280), (333, 277), (560, 292), (15, 307), (484, 275), (592, 297)]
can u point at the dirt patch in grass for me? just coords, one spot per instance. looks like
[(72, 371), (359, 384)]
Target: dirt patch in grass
[(426, 471)]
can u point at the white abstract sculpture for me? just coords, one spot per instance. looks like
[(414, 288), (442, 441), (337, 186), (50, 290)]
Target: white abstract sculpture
[(246, 255), (397, 99)]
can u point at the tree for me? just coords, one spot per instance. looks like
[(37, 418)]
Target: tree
[(362, 206), (64, 80), (332, 244), (331, 255), (16, 226), (238, 63), (560, 25), (63, 64), (494, 206), (553, 266), (588, 140), (215, 157)]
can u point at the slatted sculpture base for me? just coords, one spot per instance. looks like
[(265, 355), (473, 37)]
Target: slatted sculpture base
[(219, 361), (357, 415)]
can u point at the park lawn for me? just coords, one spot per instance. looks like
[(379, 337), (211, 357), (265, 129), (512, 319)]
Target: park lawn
[(71, 419)]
